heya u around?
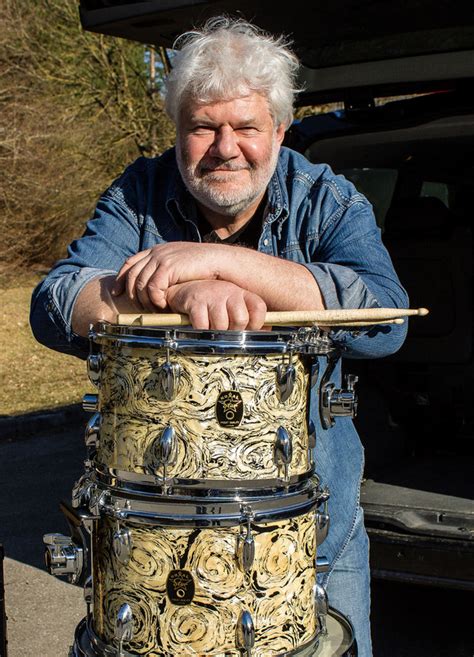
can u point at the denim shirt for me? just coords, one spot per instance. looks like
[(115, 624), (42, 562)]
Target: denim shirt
[(313, 217)]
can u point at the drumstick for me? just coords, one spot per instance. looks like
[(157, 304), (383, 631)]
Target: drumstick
[(369, 317), (339, 324)]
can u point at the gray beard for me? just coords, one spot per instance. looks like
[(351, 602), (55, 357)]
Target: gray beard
[(229, 204)]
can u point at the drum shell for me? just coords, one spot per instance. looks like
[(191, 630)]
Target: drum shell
[(135, 412), (278, 591)]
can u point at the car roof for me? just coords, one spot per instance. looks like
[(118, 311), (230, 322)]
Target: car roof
[(347, 47)]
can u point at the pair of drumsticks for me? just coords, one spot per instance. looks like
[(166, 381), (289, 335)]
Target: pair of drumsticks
[(323, 318)]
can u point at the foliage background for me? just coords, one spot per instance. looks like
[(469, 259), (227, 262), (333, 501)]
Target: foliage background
[(75, 108)]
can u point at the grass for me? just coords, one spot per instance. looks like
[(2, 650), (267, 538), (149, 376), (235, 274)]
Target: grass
[(32, 376)]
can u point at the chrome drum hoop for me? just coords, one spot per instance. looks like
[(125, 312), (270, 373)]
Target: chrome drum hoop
[(205, 512), (188, 340), (329, 645), (87, 644), (233, 489)]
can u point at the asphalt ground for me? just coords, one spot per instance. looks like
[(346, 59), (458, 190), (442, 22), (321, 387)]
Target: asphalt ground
[(37, 470)]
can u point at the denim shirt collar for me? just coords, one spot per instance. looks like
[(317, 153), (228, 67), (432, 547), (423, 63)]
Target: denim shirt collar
[(182, 205)]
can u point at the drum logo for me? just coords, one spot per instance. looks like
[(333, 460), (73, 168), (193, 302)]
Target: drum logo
[(229, 408), (180, 587)]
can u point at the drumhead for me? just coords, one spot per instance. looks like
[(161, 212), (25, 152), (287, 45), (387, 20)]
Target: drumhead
[(296, 340), (339, 640)]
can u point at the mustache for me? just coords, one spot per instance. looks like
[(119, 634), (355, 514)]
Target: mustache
[(209, 167)]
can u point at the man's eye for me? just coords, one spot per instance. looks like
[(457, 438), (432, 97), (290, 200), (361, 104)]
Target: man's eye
[(248, 130), (202, 129)]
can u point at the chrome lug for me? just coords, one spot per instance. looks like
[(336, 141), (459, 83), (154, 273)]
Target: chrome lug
[(286, 377), (122, 544), (90, 403), (82, 491), (165, 446), (322, 520), (321, 606), (245, 633), (246, 544), (123, 628), (283, 450), (169, 376), (94, 368), (91, 436), (322, 565), (88, 594)]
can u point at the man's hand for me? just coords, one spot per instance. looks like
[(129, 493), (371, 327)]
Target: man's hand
[(147, 275), (217, 305)]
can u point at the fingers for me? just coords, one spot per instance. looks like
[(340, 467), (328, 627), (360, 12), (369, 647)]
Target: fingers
[(138, 279), (132, 275), (237, 313), (143, 289), (208, 313), (217, 305), (257, 309), (120, 281), (218, 315), (199, 317)]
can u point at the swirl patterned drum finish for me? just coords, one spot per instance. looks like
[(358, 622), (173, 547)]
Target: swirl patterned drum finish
[(135, 412), (278, 591)]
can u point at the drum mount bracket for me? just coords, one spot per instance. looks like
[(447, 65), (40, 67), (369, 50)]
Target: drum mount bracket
[(337, 402)]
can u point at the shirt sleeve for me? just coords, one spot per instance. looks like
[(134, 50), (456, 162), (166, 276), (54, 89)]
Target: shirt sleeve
[(111, 236), (353, 270)]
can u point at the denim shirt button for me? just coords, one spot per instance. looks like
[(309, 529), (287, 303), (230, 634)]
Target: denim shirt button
[(266, 241)]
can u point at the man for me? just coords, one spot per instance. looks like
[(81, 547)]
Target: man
[(227, 225)]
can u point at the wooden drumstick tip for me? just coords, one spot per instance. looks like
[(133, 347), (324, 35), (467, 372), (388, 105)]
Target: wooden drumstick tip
[(422, 312)]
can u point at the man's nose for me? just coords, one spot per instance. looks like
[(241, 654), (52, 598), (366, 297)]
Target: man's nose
[(225, 145)]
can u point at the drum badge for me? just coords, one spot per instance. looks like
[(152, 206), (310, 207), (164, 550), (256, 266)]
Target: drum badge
[(180, 587), (229, 408)]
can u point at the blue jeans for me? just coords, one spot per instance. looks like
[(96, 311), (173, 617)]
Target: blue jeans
[(348, 585)]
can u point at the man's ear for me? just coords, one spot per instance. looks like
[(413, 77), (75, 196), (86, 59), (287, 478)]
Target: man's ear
[(280, 133)]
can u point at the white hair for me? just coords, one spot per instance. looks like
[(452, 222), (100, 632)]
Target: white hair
[(229, 58)]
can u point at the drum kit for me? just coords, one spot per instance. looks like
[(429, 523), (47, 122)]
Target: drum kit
[(196, 525)]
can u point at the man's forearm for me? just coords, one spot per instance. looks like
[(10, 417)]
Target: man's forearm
[(96, 303), (282, 284)]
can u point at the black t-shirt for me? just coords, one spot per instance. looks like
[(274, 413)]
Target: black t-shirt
[(248, 235)]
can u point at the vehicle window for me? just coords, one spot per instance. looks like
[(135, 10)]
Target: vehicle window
[(377, 185), (437, 189)]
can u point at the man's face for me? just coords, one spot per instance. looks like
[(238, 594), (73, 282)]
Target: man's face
[(227, 151)]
